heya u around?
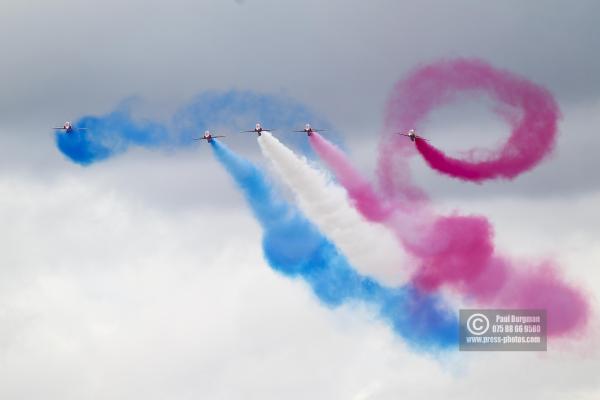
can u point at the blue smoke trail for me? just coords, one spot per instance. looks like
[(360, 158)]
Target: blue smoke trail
[(294, 247), (109, 135), (291, 244), (115, 132)]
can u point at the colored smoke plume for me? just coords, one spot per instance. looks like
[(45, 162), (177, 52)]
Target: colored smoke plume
[(294, 247), (118, 131), (369, 247), (457, 252), (529, 109)]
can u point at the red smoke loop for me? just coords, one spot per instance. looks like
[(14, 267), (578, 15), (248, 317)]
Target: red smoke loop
[(529, 109)]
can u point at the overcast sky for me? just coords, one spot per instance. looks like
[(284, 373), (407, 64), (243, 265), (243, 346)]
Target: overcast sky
[(142, 277)]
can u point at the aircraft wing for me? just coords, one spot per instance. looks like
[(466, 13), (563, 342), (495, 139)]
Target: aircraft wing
[(252, 131), (218, 136), (302, 131), (59, 128), (200, 138)]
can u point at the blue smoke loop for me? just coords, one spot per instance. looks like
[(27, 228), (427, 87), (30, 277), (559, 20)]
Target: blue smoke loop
[(114, 133)]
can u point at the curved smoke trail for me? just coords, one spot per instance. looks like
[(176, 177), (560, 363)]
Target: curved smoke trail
[(108, 135), (458, 252), (114, 133), (291, 244), (369, 247), (294, 247), (528, 108)]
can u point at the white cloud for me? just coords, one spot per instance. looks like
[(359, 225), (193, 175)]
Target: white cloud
[(106, 296)]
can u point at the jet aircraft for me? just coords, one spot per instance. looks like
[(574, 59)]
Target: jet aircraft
[(208, 136), (258, 129), (69, 128), (310, 130)]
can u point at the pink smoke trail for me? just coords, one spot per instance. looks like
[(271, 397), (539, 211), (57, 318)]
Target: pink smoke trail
[(457, 252), (362, 195), (528, 108)]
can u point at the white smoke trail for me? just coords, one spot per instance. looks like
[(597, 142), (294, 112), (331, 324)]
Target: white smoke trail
[(370, 248)]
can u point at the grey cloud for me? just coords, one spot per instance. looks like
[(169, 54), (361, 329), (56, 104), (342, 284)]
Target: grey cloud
[(74, 57), (65, 59)]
